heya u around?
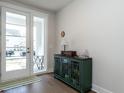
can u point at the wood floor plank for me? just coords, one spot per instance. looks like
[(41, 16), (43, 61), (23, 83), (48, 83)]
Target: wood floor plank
[(48, 84)]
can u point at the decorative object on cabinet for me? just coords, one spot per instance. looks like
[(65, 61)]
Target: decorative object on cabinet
[(85, 54), (74, 71), (69, 53)]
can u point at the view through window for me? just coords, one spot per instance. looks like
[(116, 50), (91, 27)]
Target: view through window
[(15, 41), (38, 44)]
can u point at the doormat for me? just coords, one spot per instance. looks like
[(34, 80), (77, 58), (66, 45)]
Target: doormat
[(18, 83)]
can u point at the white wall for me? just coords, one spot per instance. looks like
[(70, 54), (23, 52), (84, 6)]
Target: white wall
[(51, 27), (97, 25)]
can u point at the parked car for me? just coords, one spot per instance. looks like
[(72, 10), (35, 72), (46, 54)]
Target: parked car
[(9, 52), (23, 52)]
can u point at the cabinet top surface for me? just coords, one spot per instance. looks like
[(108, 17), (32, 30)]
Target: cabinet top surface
[(78, 58)]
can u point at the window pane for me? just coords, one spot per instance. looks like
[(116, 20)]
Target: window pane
[(15, 64), (15, 19), (16, 52), (38, 44), (15, 30), (38, 34), (15, 41)]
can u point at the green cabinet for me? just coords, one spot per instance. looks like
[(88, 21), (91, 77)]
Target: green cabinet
[(74, 71)]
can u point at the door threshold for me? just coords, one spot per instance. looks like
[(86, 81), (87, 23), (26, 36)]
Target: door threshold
[(42, 72)]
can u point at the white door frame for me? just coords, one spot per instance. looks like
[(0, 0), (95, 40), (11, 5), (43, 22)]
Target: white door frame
[(5, 76)]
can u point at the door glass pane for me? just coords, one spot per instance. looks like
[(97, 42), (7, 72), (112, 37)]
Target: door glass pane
[(15, 30), (15, 41), (12, 18), (38, 44)]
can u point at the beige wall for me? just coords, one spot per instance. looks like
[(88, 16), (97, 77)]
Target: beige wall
[(51, 41), (97, 25)]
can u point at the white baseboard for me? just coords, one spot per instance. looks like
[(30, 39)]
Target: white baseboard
[(50, 70), (99, 89)]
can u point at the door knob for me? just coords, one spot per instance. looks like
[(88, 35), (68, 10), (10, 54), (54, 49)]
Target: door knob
[(28, 50)]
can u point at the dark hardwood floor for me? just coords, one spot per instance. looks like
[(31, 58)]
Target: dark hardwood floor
[(47, 85)]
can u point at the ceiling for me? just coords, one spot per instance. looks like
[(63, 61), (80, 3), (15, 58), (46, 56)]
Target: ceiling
[(52, 5)]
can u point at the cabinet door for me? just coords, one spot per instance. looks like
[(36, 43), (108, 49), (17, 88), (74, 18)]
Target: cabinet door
[(75, 73), (57, 66), (65, 68)]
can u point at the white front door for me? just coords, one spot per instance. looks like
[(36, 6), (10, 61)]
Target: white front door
[(15, 44)]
